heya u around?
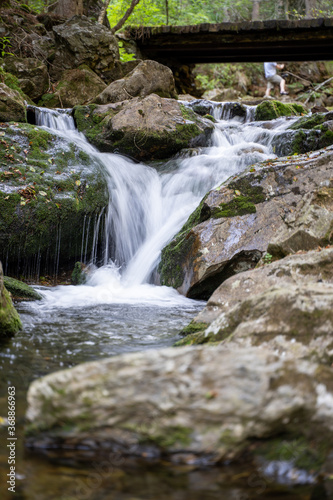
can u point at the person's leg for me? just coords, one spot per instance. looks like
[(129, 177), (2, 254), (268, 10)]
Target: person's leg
[(268, 88), (283, 87)]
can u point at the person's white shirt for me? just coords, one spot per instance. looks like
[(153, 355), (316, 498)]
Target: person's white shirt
[(270, 69)]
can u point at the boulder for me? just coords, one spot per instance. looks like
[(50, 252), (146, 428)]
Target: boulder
[(20, 290), (269, 110), (77, 86), (52, 196), (12, 106), (145, 129), (189, 405), (284, 205), (148, 77), (31, 73), (286, 306), (82, 41), (10, 322)]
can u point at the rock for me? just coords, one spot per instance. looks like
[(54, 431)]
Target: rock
[(285, 306), (31, 73), (208, 404), (148, 128), (120, 70), (20, 290), (10, 322), (235, 223), (78, 86), (148, 77), (12, 107), (52, 195), (309, 226), (81, 41), (78, 277), (269, 110)]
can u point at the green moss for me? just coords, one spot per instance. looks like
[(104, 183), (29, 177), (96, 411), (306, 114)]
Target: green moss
[(302, 453), (78, 276), (269, 110), (10, 322), (20, 290), (188, 113), (172, 436), (49, 101), (193, 327), (308, 122), (12, 82), (304, 141), (192, 339), (210, 117), (238, 206)]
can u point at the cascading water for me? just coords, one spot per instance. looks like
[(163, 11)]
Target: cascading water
[(119, 309), (148, 206)]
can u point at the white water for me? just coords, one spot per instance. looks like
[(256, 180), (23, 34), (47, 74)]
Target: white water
[(148, 207)]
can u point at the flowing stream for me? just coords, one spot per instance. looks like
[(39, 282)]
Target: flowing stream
[(121, 308)]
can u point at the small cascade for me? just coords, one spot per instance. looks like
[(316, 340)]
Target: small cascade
[(147, 207)]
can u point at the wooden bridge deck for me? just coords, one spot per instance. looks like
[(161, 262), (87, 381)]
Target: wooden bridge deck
[(276, 40)]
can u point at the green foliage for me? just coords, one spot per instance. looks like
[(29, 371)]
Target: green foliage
[(125, 56), (4, 45), (182, 12)]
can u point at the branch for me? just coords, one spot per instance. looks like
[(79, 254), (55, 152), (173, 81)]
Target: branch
[(123, 20)]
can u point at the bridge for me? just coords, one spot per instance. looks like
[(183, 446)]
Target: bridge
[(258, 41)]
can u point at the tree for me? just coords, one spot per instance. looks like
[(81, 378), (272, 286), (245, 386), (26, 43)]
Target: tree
[(103, 15)]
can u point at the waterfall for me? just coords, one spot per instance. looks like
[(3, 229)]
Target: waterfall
[(149, 206)]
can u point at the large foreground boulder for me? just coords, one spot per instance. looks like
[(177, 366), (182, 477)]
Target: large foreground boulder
[(231, 229), (82, 41), (52, 197), (148, 77), (10, 322), (12, 107), (192, 404), (148, 128)]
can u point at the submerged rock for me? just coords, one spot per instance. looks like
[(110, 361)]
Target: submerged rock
[(192, 403), (148, 128), (289, 199), (148, 77), (10, 322)]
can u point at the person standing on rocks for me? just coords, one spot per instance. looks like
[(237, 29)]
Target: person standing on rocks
[(273, 78)]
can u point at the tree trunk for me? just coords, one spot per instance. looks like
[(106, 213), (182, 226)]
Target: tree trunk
[(69, 8), (123, 20), (279, 9), (310, 6), (256, 10)]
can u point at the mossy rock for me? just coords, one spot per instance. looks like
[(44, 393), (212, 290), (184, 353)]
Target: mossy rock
[(54, 193), (309, 122), (10, 322), (20, 290), (173, 255), (269, 110), (78, 275)]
